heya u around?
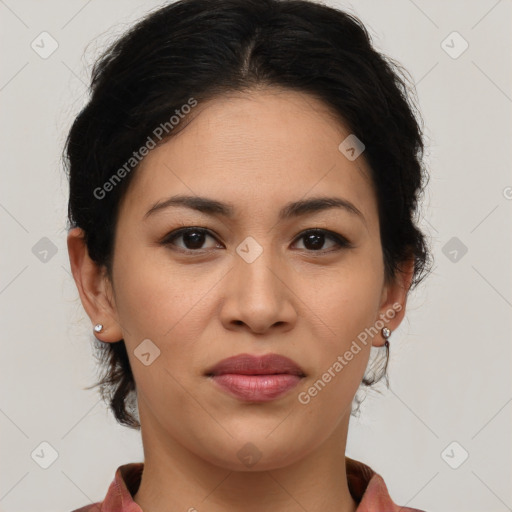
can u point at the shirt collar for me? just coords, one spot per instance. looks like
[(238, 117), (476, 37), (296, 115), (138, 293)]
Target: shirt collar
[(365, 485)]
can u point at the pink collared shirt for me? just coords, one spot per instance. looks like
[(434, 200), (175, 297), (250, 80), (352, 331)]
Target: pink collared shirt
[(366, 486)]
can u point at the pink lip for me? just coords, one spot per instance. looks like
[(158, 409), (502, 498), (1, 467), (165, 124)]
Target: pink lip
[(256, 378), (257, 388)]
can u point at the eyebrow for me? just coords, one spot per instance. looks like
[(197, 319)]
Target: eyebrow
[(290, 210)]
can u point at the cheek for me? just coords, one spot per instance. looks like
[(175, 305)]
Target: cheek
[(343, 305), (168, 304), (154, 296), (348, 298)]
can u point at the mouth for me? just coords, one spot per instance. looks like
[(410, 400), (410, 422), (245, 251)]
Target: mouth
[(256, 378)]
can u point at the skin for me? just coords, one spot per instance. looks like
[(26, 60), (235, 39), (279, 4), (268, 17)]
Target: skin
[(257, 150)]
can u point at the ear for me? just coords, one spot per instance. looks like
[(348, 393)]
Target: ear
[(94, 288), (393, 300)]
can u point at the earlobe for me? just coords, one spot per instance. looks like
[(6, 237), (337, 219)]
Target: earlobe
[(92, 284), (393, 301)]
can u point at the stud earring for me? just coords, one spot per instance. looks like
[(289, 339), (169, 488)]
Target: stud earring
[(98, 327), (386, 333)]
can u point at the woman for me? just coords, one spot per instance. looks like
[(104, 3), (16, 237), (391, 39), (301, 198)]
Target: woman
[(243, 185)]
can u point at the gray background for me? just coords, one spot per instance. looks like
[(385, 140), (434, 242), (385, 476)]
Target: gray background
[(450, 368)]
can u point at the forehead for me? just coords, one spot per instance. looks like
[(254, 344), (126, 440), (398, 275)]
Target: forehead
[(262, 147)]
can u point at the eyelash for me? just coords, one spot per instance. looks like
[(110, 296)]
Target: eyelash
[(340, 241)]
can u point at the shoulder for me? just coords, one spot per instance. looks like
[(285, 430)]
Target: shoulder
[(377, 497), (119, 497), (369, 489)]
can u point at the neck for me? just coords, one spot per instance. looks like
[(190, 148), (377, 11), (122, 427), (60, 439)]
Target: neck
[(175, 478)]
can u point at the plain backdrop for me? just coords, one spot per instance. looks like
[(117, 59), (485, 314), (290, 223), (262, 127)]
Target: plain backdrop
[(441, 435)]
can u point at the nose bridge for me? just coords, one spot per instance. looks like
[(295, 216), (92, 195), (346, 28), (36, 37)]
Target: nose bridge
[(257, 295), (256, 263)]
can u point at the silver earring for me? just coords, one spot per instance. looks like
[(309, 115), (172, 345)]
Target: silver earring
[(98, 327), (386, 333)]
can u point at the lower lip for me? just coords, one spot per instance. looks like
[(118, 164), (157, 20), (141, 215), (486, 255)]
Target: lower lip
[(257, 388)]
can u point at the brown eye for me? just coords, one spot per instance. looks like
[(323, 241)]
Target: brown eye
[(314, 240), (193, 238)]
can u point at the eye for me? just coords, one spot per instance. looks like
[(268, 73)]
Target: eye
[(314, 240), (193, 238)]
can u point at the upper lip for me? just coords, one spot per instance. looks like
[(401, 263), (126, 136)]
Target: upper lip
[(247, 364)]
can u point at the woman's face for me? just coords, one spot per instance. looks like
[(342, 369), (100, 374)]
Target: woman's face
[(253, 282)]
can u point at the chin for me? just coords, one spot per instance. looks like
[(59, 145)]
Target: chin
[(261, 452)]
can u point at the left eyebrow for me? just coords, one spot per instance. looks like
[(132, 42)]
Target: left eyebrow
[(293, 209)]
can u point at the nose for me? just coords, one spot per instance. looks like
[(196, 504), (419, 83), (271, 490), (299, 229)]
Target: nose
[(259, 295)]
